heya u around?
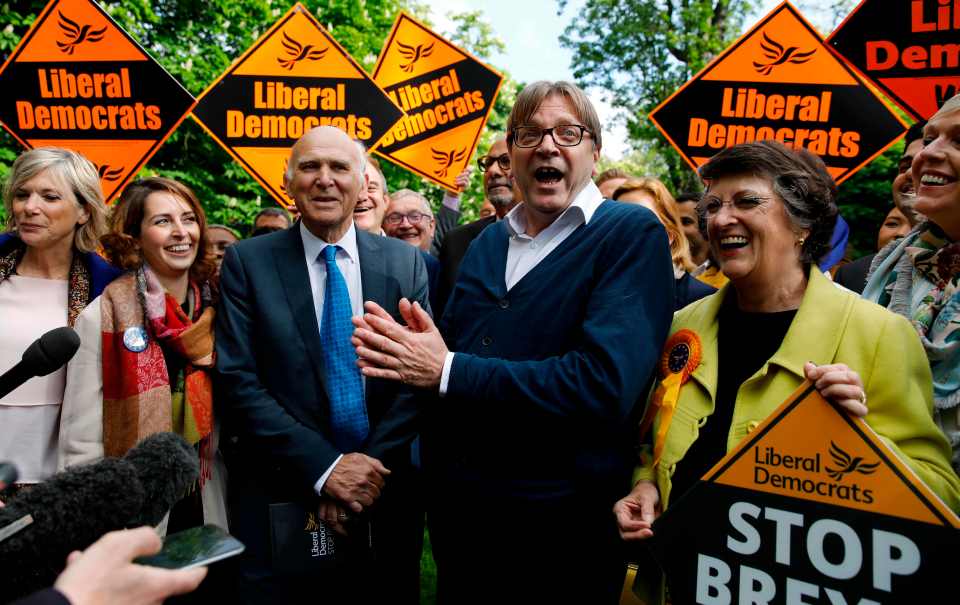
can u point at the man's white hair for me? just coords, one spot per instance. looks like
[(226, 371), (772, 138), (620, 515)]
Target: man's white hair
[(402, 193)]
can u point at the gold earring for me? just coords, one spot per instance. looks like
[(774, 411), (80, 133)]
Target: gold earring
[(801, 241)]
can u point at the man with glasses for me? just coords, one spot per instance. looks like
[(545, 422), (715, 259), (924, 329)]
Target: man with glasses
[(499, 191), (409, 218), (550, 341)]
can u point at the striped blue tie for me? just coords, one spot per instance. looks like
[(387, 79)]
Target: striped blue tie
[(348, 413)]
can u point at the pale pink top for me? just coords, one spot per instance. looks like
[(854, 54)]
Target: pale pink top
[(30, 415)]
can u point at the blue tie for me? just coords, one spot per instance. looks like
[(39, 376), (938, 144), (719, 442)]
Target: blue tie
[(348, 414)]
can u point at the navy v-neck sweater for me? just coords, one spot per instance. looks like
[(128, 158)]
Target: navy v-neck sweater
[(549, 378)]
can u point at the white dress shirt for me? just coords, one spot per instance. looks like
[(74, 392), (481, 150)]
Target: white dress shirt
[(526, 252), (348, 261)]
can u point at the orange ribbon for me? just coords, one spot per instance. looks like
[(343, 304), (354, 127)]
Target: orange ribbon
[(680, 358)]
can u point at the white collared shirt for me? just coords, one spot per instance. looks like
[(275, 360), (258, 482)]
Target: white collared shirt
[(525, 252), (348, 261)]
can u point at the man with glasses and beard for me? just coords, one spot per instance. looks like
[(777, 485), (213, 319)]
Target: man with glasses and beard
[(499, 191), (550, 341)]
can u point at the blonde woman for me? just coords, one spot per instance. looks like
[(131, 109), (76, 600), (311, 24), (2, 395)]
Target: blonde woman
[(919, 278), (49, 271)]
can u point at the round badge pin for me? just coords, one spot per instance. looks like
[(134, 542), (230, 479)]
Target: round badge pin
[(678, 357), (135, 339), (681, 355)]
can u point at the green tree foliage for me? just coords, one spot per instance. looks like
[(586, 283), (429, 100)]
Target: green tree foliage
[(640, 51), (197, 41), (865, 198)]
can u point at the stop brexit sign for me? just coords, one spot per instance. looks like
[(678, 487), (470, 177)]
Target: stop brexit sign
[(812, 507)]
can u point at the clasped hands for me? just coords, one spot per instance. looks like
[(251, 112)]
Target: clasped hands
[(413, 354), (637, 511), (354, 484)]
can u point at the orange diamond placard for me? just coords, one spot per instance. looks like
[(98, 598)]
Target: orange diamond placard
[(77, 80), (779, 81), (908, 48), (811, 503), (294, 78), (447, 95)]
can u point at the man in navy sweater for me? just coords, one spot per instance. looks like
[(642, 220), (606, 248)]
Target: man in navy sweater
[(549, 343)]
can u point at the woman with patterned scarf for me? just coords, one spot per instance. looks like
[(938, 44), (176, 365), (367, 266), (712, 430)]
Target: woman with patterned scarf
[(49, 271), (147, 345), (919, 275)]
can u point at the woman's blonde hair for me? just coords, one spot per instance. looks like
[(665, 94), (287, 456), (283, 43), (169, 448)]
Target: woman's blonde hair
[(950, 105), (665, 208), (74, 171)]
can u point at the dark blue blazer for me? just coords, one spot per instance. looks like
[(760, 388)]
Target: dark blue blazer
[(433, 277), (101, 272), (271, 390), (689, 289), (549, 378)]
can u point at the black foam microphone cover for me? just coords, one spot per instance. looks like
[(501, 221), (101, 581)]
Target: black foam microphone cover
[(70, 511), (74, 508), (167, 466), (51, 351)]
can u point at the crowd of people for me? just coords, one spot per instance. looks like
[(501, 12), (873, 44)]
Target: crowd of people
[(367, 365)]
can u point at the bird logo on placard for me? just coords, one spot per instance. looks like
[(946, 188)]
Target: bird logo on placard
[(109, 174), (77, 34), (447, 159), (297, 52), (413, 54), (778, 55), (312, 523), (847, 464)]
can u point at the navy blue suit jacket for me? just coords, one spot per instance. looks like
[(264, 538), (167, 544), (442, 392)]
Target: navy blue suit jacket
[(544, 388), (271, 392)]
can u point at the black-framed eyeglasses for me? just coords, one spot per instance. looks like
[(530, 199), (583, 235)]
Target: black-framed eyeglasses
[(414, 218), (564, 135), (486, 161)]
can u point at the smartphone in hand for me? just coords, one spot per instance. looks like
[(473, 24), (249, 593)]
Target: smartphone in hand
[(194, 547)]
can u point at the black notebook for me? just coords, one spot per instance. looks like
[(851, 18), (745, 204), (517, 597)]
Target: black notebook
[(301, 542)]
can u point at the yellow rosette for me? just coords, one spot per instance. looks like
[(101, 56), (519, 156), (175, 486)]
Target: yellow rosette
[(680, 358)]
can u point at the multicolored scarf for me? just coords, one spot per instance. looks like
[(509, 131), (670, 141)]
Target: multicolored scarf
[(78, 289), (139, 321), (919, 278)]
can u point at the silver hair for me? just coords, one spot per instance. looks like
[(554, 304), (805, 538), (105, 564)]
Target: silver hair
[(402, 193)]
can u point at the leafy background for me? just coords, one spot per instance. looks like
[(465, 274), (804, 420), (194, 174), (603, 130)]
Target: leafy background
[(636, 52), (196, 41)]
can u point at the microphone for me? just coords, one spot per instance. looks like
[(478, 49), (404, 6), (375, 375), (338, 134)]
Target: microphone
[(74, 508), (47, 354)]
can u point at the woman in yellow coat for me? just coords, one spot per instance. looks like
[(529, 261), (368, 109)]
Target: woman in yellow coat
[(770, 213)]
